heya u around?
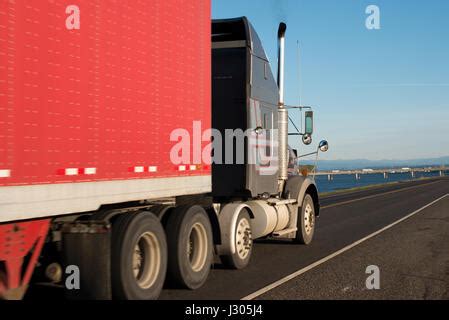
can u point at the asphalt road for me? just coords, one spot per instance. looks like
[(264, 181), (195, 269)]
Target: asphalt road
[(412, 260), (413, 255), (345, 219)]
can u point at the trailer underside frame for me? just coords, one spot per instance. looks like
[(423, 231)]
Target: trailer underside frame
[(21, 245)]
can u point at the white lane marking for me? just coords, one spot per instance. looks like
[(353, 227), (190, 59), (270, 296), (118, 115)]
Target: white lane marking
[(5, 173), (335, 254)]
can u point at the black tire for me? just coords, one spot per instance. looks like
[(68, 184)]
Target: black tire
[(304, 235), (189, 225), (240, 261), (138, 234)]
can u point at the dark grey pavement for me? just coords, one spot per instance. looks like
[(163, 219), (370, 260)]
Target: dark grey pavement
[(341, 223), (412, 257)]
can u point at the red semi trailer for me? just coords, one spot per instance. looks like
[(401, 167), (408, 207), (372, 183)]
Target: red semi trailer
[(91, 94)]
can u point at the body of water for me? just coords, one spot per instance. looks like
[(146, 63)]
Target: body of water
[(346, 181)]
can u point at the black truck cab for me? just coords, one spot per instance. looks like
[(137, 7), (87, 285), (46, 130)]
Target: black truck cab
[(245, 96)]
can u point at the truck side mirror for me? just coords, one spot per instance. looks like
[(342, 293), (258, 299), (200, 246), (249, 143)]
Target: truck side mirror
[(307, 139), (323, 146), (308, 122)]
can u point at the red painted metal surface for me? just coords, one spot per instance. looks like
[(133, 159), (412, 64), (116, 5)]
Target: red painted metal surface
[(17, 240), (104, 98)]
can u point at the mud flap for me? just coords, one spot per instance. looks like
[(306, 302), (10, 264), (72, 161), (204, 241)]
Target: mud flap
[(86, 247)]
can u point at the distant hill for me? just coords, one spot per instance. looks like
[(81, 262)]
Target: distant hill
[(325, 165)]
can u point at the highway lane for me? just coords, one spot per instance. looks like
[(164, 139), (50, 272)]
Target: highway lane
[(412, 258), (342, 196), (345, 218)]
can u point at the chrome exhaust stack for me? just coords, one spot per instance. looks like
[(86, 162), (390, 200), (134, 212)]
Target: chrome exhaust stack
[(281, 61), (283, 113)]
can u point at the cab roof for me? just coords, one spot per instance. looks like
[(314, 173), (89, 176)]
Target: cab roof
[(238, 29)]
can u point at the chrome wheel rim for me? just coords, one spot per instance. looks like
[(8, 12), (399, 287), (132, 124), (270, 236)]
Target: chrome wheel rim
[(309, 219), (197, 247), (243, 238), (146, 260)]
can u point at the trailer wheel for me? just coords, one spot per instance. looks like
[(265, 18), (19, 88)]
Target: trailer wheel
[(189, 239), (306, 221), (138, 257), (243, 243)]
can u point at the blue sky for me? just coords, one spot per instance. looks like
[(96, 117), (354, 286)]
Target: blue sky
[(378, 94)]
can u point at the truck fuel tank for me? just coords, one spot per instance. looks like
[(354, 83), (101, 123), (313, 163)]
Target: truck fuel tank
[(268, 218)]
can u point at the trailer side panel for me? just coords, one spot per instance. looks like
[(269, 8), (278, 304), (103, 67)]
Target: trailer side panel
[(90, 93)]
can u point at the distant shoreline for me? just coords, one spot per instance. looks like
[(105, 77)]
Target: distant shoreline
[(359, 164), (372, 186)]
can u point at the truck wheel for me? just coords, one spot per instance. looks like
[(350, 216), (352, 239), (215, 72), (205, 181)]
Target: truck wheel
[(243, 243), (189, 239), (306, 221), (138, 257)]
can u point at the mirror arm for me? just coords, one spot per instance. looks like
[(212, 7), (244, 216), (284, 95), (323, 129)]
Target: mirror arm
[(296, 134), (316, 165), (308, 154), (298, 107), (317, 152), (294, 125), (322, 144)]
